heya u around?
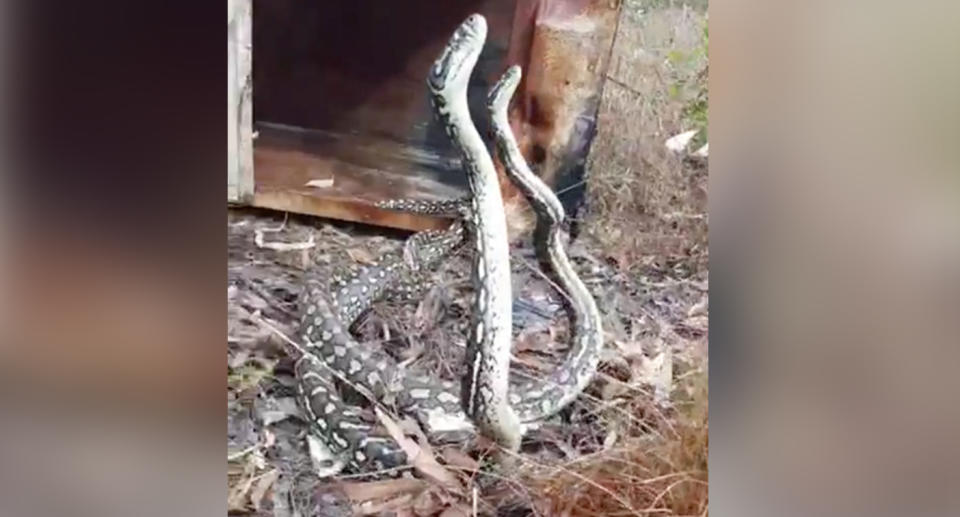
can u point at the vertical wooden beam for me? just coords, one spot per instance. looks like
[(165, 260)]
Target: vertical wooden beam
[(240, 184), (233, 165)]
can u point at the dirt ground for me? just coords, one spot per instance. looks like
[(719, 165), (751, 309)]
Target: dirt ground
[(634, 444)]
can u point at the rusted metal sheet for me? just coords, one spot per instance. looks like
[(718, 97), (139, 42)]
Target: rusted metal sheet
[(340, 94), (564, 49)]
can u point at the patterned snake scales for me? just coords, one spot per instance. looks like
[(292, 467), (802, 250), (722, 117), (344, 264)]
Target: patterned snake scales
[(483, 394)]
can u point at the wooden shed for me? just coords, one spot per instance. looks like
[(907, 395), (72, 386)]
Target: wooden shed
[(328, 109)]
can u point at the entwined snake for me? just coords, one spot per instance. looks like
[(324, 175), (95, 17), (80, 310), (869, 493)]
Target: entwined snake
[(329, 311), (483, 392)]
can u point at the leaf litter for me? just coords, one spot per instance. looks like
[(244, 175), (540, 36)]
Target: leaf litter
[(655, 334)]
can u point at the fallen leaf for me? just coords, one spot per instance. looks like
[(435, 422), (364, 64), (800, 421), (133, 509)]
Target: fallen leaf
[(237, 496), (366, 491), (657, 372), (319, 183), (330, 501), (678, 143), (700, 308), (427, 504), (610, 440), (385, 507), (237, 359), (259, 240), (261, 487), (703, 152), (424, 462), (457, 458), (361, 255), (459, 510)]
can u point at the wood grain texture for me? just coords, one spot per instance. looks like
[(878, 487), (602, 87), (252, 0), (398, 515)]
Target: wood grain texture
[(351, 76)]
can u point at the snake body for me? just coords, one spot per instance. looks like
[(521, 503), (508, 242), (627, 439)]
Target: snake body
[(328, 312), (484, 388), (483, 394), (538, 399)]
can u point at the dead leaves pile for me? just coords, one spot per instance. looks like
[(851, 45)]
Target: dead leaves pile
[(650, 349), (249, 477)]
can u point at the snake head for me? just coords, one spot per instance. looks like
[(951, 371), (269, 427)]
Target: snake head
[(455, 64), (499, 97)]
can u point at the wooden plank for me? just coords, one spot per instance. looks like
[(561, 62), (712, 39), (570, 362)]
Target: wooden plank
[(287, 159), (233, 163)]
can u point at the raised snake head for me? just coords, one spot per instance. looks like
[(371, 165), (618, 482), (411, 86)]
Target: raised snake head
[(452, 69)]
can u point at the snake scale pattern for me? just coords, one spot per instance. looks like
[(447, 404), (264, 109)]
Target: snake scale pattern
[(483, 395), (486, 382), (328, 312)]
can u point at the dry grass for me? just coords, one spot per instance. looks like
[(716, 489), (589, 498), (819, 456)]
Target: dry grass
[(662, 471), (646, 205), (618, 439)]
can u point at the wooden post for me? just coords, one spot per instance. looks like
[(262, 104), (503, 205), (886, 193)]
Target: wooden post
[(240, 184)]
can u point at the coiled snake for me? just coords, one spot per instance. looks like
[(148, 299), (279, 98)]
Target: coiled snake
[(484, 390)]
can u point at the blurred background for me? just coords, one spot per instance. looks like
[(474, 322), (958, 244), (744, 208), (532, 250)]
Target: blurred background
[(834, 252)]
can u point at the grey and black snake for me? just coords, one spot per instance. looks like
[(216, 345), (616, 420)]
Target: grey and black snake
[(483, 395)]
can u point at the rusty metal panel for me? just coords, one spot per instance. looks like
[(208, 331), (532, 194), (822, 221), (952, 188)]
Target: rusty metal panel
[(564, 48)]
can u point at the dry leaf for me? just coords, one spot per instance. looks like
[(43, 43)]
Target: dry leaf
[(678, 143), (457, 458), (425, 463), (385, 507), (459, 510), (319, 183), (367, 491), (427, 504), (282, 246), (700, 308), (361, 255), (261, 486), (657, 372), (405, 512), (610, 440), (237, 496)]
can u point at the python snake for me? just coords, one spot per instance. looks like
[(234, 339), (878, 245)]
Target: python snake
[(328, 312), (534, 399), (538, 399), (484, 388), (483, 391)]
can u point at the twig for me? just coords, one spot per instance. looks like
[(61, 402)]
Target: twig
[(281, 246), (239, 454), (474, 500), (541, 274)]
